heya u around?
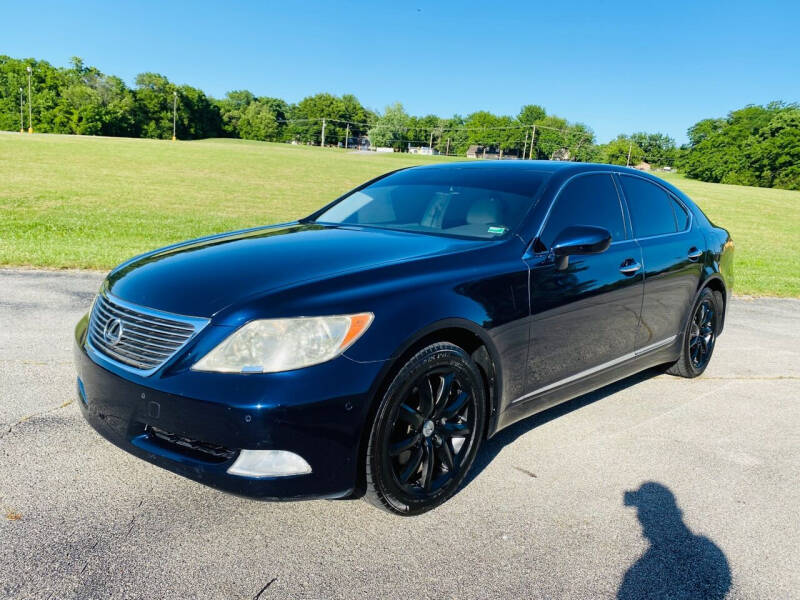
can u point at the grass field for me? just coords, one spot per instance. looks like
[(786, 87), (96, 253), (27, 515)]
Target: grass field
[(69, 201)]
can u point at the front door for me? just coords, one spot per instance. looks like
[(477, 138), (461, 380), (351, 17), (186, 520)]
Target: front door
[(585, 317)]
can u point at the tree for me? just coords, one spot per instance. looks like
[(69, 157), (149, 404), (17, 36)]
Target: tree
[(391, 128), (231, 109), (196, 115), (739, 150), (551, 136), (530, 114), (308, 115), (452, 129), (264, 119), (658, 148), (616, 152), (776, 153)]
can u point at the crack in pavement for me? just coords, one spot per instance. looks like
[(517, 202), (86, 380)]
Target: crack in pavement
[(133, 517), (269, 583), (41, 413), (128, 530)]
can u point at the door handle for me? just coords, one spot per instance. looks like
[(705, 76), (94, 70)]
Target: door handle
[(629, 267), (694, 253)]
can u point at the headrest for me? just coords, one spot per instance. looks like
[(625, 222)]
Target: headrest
[(484, 211)]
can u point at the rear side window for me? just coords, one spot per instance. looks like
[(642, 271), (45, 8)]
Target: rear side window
[(650, 207), (681, 216), (586, 200)]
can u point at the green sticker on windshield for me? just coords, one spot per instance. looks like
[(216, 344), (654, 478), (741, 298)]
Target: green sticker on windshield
[(497, 230)]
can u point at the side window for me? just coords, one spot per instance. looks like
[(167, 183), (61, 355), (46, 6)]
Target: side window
[(650, 206), (586, 200), (681, 216)]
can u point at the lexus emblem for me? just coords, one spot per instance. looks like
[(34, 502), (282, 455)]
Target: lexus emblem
[(112, 332)]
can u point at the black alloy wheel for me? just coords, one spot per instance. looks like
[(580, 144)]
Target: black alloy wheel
[(700, 336), (427, 431)]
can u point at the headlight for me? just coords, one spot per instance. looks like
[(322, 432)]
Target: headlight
[(272, 345)]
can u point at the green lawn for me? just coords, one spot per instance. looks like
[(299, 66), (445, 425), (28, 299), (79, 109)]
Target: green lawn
[(765, 225), (68, 201)]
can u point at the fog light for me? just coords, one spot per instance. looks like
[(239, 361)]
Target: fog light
[(269, 463)]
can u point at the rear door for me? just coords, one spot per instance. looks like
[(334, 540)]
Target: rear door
[(672, 253), (584, 317)]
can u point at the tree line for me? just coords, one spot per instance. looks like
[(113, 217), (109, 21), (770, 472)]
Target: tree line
[(757, 145)]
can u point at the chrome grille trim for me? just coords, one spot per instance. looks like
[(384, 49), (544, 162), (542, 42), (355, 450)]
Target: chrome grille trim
[(149, 337)]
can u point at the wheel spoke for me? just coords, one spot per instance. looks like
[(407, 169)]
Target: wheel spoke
[(456, 430), (410, 416), (446, 455), (451, 411), (426, 403), (413, 465), (443, 393), (404, 445), (427, 467)]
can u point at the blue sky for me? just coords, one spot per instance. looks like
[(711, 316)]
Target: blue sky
[(618, 68)]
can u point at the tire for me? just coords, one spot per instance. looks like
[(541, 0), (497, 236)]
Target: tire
[(426, 432), (700, 335)]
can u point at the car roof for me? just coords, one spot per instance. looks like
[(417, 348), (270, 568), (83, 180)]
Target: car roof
[(564, 169), (542, 166)]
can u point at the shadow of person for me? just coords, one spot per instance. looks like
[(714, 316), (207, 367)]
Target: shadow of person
[(678, 564)]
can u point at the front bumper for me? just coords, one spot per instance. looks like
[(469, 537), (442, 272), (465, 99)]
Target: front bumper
[(318, 412)]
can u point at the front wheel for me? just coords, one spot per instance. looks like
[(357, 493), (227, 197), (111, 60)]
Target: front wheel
[(426, 432), (700, 336)]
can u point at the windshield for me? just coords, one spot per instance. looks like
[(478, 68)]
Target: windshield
[(472, 202)]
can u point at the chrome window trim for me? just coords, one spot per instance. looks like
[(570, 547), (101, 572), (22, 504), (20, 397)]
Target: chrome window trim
[(198, 323), (669, 195), (596, 369)]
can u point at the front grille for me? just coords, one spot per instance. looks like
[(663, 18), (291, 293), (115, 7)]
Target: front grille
[(193, 448), (138, 338)]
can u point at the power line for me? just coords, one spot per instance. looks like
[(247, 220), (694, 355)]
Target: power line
[(440, 128)]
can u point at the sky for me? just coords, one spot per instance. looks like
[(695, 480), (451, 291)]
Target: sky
[(617, 67)]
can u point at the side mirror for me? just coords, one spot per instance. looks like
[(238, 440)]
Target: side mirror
[(579, 239)]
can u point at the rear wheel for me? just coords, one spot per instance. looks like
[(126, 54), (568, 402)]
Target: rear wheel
[(426, 432), (700, 336)]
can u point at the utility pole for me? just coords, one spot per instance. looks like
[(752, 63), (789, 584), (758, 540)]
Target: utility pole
[(533, 141), (322, 141), (628, 162), (525, 147), (174, 114), (21, 124), (430, 144), (447, 152), (30, 109), (346, 136)]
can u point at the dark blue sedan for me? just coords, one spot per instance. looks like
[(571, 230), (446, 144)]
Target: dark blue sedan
[(369, 348)]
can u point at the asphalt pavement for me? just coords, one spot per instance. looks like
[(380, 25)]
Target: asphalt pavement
[(712, 466)]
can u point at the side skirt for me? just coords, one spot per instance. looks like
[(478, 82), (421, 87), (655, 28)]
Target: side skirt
[(569, 389)]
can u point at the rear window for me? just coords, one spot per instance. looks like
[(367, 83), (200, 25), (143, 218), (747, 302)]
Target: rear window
[(480, 203), (650, 207)]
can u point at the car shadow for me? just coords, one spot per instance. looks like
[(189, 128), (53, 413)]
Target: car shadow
[(678, 563), (492, 447)]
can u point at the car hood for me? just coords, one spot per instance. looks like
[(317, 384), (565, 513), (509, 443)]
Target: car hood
[(202, 277)]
